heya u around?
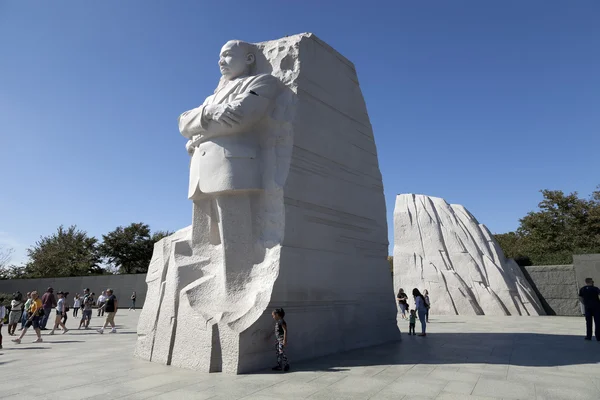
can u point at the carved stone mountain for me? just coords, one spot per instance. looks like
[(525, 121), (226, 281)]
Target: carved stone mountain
[(318, 231), (442, 248)]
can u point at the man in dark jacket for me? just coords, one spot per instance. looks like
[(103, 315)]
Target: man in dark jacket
[(48, 302), (589, 295)]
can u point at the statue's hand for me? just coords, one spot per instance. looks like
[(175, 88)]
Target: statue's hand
[(223, 115)]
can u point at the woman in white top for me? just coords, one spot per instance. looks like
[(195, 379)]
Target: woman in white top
[(16, 310), (421, 306), (60, 310), (76, 305)]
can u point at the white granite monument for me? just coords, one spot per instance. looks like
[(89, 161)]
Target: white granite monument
[(441, 248), (288, 211)]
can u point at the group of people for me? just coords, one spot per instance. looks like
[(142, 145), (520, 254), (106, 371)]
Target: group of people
[(421, 310), (32, 311)]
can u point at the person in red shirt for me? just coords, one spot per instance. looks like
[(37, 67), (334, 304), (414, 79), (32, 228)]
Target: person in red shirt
[(48, 302)]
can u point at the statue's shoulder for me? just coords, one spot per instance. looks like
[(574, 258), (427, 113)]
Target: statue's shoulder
[(262, 79), (263, 84)]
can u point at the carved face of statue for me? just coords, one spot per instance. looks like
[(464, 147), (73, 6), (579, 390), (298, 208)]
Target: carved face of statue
[(235, 59)]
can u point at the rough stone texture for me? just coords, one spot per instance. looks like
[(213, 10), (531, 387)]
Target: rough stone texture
[(318, 222), (586, 266), (123, 285), (556, 288), (442, 248)]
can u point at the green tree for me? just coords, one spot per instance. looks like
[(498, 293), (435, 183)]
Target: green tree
[(68, 252), (564, 225), (128, 249)]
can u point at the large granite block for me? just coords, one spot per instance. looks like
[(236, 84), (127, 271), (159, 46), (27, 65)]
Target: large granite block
[(288, 212), (443, 249)]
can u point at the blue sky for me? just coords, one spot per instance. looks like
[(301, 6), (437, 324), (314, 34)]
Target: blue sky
[(481, 103)]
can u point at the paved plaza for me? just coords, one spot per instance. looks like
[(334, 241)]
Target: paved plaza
[(463, 358)]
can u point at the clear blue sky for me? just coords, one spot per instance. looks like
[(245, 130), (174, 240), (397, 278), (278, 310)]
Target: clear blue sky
[(482, 103)]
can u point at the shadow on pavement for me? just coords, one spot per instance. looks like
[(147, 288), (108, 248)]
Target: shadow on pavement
[(519, 349)]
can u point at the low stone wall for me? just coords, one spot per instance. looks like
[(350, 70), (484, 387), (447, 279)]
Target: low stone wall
[(123, 286), (556, 287), (587, 266)]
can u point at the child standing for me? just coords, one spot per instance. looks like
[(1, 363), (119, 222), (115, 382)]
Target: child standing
[(281, 340), (412, 320)]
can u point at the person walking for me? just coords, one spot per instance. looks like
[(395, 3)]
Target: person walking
[(402, 302), (48, 302), (25, 308), (421, 307), (86, 309), (110, 306), (133, 297), (426, 296), (60, 311), (66, 310), (2, 315), (16, 312), (34, 314), (76, 305), (589, 295), (100, 303)]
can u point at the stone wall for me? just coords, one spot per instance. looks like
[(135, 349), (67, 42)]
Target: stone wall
[(556, 287), (587, 266), (123, 286)]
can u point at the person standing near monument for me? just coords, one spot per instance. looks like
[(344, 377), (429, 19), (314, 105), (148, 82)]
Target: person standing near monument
[(133, 297), (426, 297), (110, 306), (281, 340), (421, 306), (589, 295), (34, 315), (402, 302), (48, 302)]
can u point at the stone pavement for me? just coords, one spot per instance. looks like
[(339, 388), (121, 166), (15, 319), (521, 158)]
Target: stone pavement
[(463, 358)]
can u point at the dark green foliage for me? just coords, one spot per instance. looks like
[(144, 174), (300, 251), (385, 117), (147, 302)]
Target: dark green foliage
[(128, 249), (564, 225)]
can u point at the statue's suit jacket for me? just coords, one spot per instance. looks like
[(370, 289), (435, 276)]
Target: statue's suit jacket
[(227, 158)]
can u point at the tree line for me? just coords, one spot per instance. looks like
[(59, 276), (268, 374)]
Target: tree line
[(72, 252), (563, 225)]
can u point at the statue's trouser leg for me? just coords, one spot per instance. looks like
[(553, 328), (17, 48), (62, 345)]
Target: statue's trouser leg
[(236, 234), (177, 326)]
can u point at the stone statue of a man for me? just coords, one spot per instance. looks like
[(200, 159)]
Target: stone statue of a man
[(225, 170)]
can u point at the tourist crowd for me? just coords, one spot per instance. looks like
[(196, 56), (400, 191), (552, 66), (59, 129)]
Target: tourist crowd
[(34, 311)]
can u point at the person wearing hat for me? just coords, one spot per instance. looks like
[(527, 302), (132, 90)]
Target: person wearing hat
[(60, 312), (48, 302)]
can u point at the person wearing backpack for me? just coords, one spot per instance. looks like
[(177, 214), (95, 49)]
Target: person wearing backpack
[(34, 313)]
